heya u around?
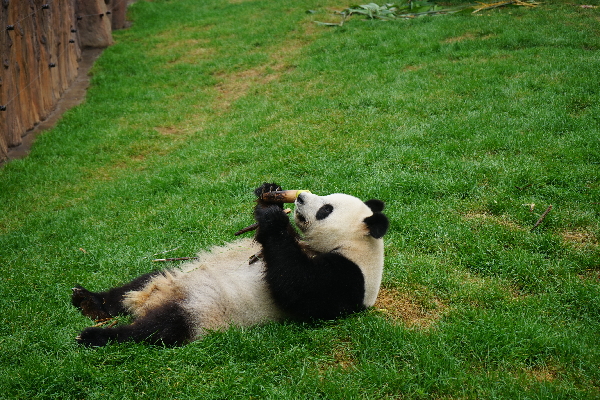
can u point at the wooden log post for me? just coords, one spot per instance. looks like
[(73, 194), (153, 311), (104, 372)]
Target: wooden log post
[(93, 24), (41, 44), (119, 11)]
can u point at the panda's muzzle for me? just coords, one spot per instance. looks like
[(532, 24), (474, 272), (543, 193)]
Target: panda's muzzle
[(300, 218)]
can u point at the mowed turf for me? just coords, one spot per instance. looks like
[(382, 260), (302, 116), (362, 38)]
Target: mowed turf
[(468, 126)]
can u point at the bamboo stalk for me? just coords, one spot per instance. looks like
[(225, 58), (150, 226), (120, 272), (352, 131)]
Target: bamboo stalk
[(539, 221), (281, 196)]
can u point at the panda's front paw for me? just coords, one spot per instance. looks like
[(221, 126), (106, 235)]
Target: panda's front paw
[(271, 218), (265, 188), (94, 337)]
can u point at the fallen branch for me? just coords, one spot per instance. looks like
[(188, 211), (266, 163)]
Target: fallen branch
[(163, 252), (254, 226), (174, 259), (524, 187), (249, 228), (539, 221), (504, 3), (101, 322)]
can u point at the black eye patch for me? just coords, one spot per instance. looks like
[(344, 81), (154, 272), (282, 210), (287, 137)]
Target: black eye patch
[(324, 211)]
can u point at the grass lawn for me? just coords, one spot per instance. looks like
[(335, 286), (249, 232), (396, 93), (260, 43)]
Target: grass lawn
[(468, 126)]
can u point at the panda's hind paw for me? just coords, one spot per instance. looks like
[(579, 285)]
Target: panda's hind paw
[(89, 303), (78, 295), (93, 337)]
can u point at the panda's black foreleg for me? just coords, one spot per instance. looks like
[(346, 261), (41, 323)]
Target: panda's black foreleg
[(166, 325), (109, 303), (325, 286)]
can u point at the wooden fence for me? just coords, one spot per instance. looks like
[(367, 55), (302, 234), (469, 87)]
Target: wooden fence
[(41, 43)]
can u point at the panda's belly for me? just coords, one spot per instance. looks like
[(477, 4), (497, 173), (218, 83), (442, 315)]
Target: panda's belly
[(220, 289), (237, 296), (223, 288)]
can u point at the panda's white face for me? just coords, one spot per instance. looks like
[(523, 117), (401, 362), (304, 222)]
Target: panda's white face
[(331, 222), (345, 225)]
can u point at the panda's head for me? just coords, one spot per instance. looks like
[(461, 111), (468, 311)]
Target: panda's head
[(339, 221)]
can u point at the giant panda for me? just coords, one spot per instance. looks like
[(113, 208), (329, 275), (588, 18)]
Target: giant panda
[(331, 269)]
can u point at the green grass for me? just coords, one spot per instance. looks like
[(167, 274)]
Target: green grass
[(459, 122)]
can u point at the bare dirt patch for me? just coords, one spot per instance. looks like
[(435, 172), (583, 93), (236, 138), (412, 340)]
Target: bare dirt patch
[(341, 356), (546, 373), (466, 36), (188, 51), (235, 86), (591, 274), (169, 130), (409, 68), (580, 238), (409, 309)]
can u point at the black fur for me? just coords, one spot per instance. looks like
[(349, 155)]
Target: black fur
[(378, 225), (265, 188), (326, 286), (324, 211), (375, 205), (106, 304), (167, 325)]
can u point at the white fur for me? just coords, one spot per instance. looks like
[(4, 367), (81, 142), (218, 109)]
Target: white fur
[(219, 289)]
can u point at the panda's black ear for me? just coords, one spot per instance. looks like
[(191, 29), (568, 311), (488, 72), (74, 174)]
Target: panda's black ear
[(377, 224), (375, 205)]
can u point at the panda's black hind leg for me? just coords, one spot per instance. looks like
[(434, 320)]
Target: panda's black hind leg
[(90, 304), (106, 304), (166, 325)]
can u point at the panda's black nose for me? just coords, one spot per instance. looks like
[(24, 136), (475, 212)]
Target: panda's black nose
[(300, 199)]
